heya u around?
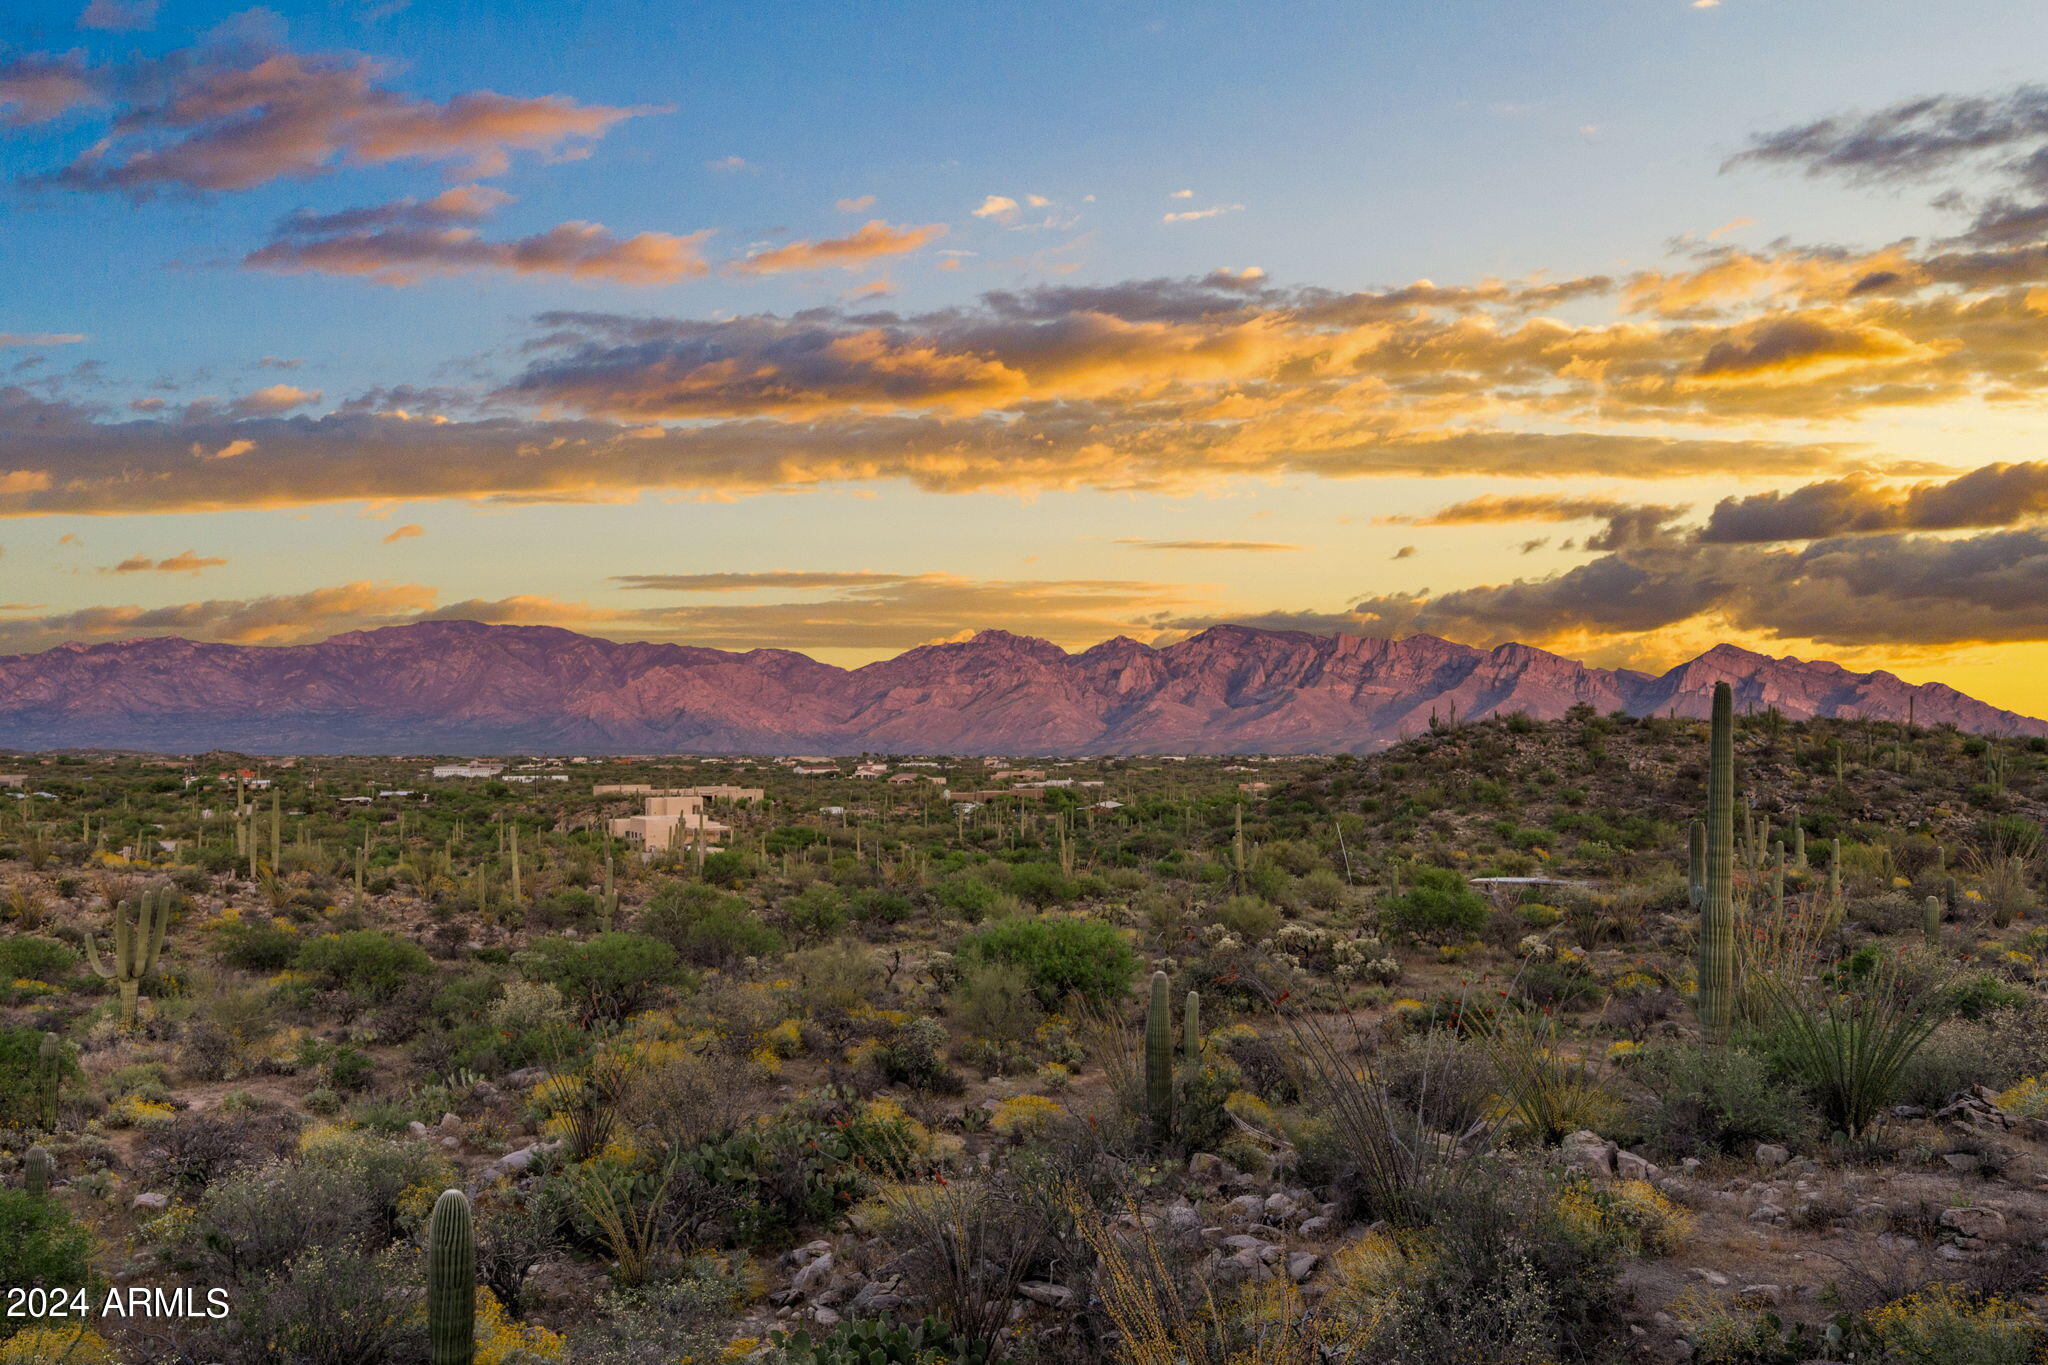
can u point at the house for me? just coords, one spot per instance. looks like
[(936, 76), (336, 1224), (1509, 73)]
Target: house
[(984, 797), (751, 795), (13, 779), (669, 822), (816, 771), (870, 769), (469, 769)]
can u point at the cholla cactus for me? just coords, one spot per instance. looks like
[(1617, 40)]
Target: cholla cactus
[(138, 938), (451, 1282)]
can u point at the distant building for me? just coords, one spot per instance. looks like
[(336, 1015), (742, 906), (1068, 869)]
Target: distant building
[(13, 779), (669, 822), (469, 769), (751, 795), (984, 797)]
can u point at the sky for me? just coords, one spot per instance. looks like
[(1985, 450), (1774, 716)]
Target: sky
[(1616, 327)]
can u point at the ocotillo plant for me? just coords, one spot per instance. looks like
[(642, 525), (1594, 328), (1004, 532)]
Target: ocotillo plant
[(1191, 1029), (1715, 998), (451, 1282), (138, 937), (1159, 1063), (37, 1168)]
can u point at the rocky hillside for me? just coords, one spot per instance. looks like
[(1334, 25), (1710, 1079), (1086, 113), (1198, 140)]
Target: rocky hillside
[(461, 686)]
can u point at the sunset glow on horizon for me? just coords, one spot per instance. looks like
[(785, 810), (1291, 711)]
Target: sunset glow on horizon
[(1621, 331)]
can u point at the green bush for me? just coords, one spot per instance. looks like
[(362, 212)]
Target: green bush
[(1440, 906), (1249, 917), (41, 1245), (1085, 957), (707, 927), (1042, 884), (259, 944), (366, 961), (816, 912), (607, 977), (35, 959), (968, 896), (1699, 1100)]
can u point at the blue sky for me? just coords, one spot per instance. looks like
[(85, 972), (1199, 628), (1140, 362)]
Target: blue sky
[(1166, 451)]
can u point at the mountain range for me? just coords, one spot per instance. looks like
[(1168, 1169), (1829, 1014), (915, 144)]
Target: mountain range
[(464, 687)]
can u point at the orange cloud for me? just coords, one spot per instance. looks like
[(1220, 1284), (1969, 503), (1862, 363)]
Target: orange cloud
[(875, 240), (185, 561), (237, 114), (406, 532)]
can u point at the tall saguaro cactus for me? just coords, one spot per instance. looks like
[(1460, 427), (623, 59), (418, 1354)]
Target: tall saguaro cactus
[(138, 938), (1191, 1029), (1159, 1062), (1715, 999), (451, 1282), (1931, 920)]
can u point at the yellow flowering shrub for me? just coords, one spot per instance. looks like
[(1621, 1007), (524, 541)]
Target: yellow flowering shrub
[(502, 1341), (2028, 1099), (71, 1343), (132, 1111), (786, 1039), (1633, 1213), (1024, 1114), (1943, 1324)]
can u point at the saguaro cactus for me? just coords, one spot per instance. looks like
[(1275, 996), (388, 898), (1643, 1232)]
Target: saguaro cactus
[(1159, 1063), (1715, 998), (138, 937), (1931, 921), (51, 1064), (37, 1169), (1191, 1029), (451, 1282), (1696, 864)]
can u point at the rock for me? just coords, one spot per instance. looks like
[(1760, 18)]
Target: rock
[(1973, 1222), (1589, 1152), (1629, 1166), (450, 1123), (485, 1091), (526, 1076), (1966, 1162), (150, 1200), (1768, 1295), (814, 1275), (1246, 1207), (1315, 1227), (1301, 1265), (1051, 1295), (416, 1128), (825, 1317), (1279, 1205), (1770, 1154), (1209, 1166), (1767, 1213)]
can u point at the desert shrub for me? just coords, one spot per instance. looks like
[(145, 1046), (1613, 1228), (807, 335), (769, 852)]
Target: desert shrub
[(1443, 1079), (1085, 957), (1976, 994), (818, 911), (326, 1305), (996, 1001), (257, 943), (606, 977), (1561, 982), (968, 896), (729, 867), (1698, 1100), (968, 1246), (1952, 1059), (832, 980), (195, 1149), (684, 1319), (915, 1055), (1945, 1325), (29, 957), (368, 962), (40, 1244), (879, 905), (1249, 917), (1042, 884), (707, 927), (1439, 906)]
